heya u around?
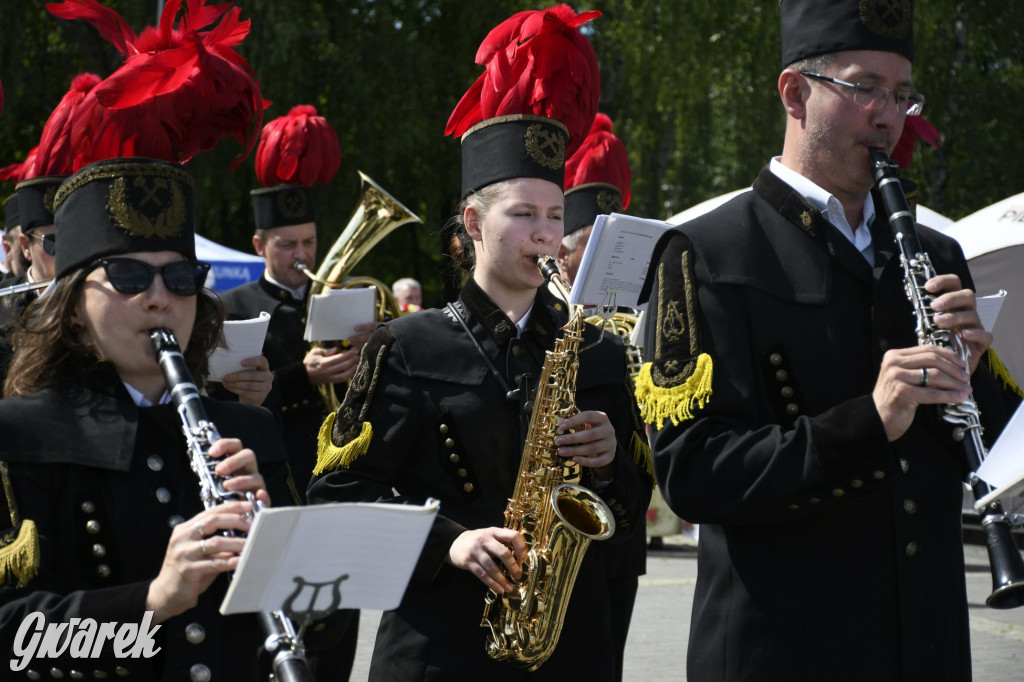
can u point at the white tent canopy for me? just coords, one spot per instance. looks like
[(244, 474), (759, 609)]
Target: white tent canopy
[(230, 267)]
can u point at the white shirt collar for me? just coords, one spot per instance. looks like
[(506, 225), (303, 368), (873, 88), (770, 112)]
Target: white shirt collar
[(140, 400), (831, 209), (298, 294), (521, 324)]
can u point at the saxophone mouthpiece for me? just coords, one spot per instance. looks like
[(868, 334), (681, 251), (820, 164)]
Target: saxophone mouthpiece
[(547, 265)]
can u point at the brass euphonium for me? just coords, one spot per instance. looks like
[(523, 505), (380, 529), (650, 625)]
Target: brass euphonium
[(375, 216), (623, 324), (557, 517)]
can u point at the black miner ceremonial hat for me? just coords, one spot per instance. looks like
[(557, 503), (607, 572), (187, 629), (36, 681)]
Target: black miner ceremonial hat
[(122, 206), (816, 27), (513, 146), (282, 205), (11, 216), (35, 200)]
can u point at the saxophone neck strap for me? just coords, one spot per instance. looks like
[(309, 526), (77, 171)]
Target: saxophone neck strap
[(455, 312)]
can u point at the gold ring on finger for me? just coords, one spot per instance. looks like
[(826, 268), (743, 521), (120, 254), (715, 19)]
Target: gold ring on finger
[(202, 546), (199, 529)]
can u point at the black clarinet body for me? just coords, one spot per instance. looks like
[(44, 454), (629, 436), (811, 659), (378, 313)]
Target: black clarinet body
[(282, 641), (1004, 558)]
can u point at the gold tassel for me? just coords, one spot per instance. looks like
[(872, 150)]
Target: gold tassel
[(331, 457), (675, 403), (20, 559), (1003, 374), (640, 451)]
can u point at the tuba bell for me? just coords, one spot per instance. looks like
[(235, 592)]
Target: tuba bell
[(375, 216)]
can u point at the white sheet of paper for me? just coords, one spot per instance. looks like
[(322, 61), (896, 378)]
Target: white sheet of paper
[(988, 308), (375, 545), (333, 315), (242, 339), (616, 259), (1005, 462)]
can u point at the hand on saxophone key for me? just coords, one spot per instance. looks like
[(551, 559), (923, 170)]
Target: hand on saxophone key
[(488, 553), (956, 308), (593, 442)]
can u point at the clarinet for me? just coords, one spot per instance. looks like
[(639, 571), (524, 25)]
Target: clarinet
[(282, 641), (1004, 558)]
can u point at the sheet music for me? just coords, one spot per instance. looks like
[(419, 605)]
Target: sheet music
[(242, 339), (368, 549), (334, 314), (616, 259), (989, 307), (1005, 461)]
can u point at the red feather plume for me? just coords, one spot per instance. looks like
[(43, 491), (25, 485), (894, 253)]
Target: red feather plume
[(16, 172), (535, 62), (914, 128), (601, 158), (181, 88), (55, 150), (300, 148)]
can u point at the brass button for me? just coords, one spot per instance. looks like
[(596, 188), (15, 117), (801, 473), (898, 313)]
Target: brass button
[(904, 466), (122, 671), (75, 675), (103, 571), (99, 551), (32, 674), (92, 527), (838, 492), (879, 475), (57, 673), (443, 428), (154, 462), (468, 487), (88, 507), (516, 350), (463, 473), (815, 500), (787, 392), (175, 520), (163, 495), (199, 673), (909, 506), (194, 633), (792, 409), (775, 359), (911, 548), (782, 375), (449, 443), (99, 674), (883, 343), (793, 507), (453, 458), (856, 483)]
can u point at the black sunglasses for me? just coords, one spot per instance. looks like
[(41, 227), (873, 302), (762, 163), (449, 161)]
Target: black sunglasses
[(49, 242), (129, 276)]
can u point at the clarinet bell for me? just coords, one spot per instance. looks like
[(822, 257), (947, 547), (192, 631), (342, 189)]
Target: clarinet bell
[(1006, 564)]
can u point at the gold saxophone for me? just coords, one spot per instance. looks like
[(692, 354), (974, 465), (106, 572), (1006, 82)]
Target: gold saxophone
[(557, 517)]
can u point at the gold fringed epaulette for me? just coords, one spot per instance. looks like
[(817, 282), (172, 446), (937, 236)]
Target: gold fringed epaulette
[(676, 402), (640, 451), (1003, 374), (331, 457), (19, 554)]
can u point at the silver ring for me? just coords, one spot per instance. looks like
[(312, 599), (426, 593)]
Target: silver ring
[(199, 530), (924, 378), (202, 546)]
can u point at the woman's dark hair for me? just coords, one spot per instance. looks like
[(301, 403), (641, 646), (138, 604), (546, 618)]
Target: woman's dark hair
[(48, 347)]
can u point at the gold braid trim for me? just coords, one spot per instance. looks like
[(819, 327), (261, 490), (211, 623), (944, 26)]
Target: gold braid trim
[(331, 457), (1003, 374), (20, 558), (640, 451), (675, 403)]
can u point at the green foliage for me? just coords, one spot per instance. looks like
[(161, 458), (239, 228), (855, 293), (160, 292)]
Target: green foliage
[(691, 88)]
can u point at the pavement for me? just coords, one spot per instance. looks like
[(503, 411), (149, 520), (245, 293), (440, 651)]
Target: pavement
[(656, 647)]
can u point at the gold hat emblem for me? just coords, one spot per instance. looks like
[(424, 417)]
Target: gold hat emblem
[(608, 201), (160, 212), (547, 148), (887, 18), (293, 204)]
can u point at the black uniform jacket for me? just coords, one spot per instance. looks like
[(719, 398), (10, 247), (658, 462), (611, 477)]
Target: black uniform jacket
[(443, 427), (826, 553), (104, 482), (293, 397)]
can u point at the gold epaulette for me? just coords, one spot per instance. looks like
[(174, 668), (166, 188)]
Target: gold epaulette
[(640, 451), (1003, 374), (19, 544), (330, 456), (677, 403)]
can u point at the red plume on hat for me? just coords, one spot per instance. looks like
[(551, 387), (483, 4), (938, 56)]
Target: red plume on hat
[(55, 155), (535, 62), (299, 148), (914, 128), (601, 158), (181, 87), (16, 172)]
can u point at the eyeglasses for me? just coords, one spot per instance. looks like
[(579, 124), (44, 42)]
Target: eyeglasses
[(49, 242), (872, 96), (129, 276)]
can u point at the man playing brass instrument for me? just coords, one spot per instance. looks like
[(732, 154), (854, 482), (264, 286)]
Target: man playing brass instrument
[(793, 409)]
